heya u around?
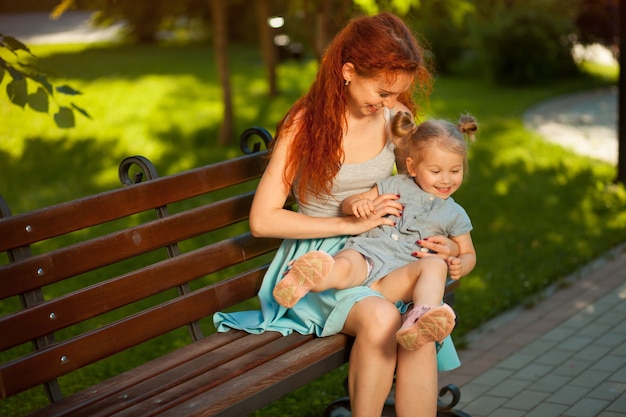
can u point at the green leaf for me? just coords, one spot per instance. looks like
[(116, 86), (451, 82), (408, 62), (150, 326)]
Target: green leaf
[(15, 45), (15, 73), (66, 89), (16, 90), (41, 79), (38, 101), (64, 118), (1, 74), (81, 111)]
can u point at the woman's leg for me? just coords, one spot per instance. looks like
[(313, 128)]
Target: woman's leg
[(416, 382), (374, 322)]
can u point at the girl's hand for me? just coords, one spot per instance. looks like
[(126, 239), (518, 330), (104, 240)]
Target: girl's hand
[(455, 268), (362, 208)]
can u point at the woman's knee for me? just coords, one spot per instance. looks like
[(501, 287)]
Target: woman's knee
[(374, 318)]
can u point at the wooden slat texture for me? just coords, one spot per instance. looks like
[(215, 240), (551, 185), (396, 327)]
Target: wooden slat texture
[(85, 304), (37, 225), (214, 369), (267, 382), (101, 251), (111, 388)]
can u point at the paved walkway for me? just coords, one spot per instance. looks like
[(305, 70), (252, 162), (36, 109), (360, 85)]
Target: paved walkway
[(70, 27), (584, 122), (565, 356)]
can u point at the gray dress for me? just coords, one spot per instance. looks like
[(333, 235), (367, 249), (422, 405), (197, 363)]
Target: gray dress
[(424, 215)]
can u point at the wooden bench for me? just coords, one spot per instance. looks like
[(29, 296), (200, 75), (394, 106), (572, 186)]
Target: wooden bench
[(102, 275)]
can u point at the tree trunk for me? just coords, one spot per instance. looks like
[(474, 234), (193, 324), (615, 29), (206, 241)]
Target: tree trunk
[(220, 45), (322, 19), (267, 45), (621, 105)]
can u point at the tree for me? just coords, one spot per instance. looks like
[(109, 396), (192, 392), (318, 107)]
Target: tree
[(621, 157), (599, 22), (220, 44), (267, 44)]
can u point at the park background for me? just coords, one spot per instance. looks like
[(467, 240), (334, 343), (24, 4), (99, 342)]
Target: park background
[(539, 211)]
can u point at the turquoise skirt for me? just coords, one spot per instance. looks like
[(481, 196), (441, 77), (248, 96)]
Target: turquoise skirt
[(322, 314)]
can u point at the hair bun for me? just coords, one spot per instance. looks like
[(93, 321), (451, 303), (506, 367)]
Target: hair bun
[(468, 125)]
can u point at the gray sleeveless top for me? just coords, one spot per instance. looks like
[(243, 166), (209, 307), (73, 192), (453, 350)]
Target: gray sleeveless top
[(352, 179)]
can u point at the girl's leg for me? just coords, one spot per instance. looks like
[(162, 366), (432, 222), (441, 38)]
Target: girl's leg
[(422, 281), (374, 322), (416, 382), (318, 271)]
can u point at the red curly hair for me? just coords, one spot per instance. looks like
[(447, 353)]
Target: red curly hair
[(378, 45)]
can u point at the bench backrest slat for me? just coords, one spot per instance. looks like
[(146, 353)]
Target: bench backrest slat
[(40, 270), (84, 304), (27, 228)]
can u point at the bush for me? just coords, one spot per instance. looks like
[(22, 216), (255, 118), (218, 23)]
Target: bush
[(443, 26), (523, 46)]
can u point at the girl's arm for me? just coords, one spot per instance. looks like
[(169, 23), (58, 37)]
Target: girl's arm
[(463, 264)]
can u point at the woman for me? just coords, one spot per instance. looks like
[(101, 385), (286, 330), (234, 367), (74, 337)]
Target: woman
[(332, 143)]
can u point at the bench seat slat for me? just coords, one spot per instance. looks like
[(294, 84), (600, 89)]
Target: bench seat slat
[(61, 218), (111, 387), (267, 382), (213, 369), (73, 260), (84, 304)]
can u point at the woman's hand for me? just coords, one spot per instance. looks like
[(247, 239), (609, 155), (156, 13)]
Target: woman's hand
[(442, 246), (369, 203)]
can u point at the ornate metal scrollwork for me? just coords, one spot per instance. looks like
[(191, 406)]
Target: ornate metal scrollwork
[(447, 409), (148, 170), (5, 211), (245, 139)]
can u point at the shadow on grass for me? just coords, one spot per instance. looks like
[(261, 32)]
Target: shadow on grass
[(50, 172)]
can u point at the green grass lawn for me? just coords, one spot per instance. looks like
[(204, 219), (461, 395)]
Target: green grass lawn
[(539, 211)]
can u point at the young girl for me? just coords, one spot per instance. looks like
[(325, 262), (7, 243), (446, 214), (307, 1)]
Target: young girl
[(384, 258)]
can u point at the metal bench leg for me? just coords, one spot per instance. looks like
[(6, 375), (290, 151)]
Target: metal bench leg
[(341, 406)]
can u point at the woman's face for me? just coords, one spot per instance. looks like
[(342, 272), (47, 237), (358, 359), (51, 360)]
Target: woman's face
[(368, 95)]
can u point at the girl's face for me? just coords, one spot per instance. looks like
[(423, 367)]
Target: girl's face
[(369, 95), (439, 172)]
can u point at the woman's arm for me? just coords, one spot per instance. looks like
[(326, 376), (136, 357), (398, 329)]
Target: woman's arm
[(268, 218)]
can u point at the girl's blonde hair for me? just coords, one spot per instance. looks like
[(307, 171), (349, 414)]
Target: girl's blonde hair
[(434, 132)]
